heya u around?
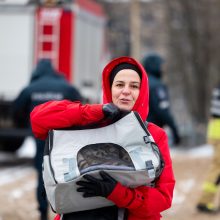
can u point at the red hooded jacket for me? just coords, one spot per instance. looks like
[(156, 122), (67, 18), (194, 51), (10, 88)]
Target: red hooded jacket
[(142, 203)]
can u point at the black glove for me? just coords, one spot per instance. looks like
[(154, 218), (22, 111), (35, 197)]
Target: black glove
[(97, 187), (110, 110)]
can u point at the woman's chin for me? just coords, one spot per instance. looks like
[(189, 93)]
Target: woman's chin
[(125, 107)]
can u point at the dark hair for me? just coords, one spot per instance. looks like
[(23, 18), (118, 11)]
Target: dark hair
[(120, 67)]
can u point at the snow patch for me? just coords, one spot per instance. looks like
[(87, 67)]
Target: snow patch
[(11, 175), (194, 152), (27, 149), (181, 190)]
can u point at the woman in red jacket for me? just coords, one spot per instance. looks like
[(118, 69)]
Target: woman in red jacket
[(125, 84)]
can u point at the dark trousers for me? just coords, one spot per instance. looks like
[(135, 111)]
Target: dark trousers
[(38, 160), (106, 213)]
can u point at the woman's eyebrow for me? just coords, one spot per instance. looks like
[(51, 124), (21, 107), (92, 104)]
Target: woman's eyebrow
[(136, 82), (119, 81)]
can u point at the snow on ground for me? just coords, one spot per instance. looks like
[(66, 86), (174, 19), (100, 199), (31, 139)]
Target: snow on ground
[(205, 150), (27, 149), (183, 187), (13, 174)]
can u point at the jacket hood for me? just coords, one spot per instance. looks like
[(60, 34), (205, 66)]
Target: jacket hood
[(141, 105), (44, 68), (153, 65)]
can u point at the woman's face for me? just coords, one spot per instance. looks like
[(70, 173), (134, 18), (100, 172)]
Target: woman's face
[(125, 89)]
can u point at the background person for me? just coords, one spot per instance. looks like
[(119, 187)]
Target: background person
[(211, 185), (159, 103), (45, 84), (125, 84)]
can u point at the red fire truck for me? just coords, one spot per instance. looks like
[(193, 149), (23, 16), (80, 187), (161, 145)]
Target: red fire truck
[(70, 33)]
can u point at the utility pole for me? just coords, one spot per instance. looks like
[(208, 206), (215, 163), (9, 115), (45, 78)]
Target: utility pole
[(135, 27)]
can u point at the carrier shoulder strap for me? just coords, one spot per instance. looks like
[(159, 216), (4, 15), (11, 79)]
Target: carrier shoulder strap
[(150, 140), (144, 125)]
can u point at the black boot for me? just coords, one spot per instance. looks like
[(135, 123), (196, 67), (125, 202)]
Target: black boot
[(206, 208)]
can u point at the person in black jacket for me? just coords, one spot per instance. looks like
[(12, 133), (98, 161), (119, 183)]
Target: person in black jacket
[(159, 111), (45, 84)]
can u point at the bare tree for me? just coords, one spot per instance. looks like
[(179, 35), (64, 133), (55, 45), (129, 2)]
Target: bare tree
[(193, 40), (135, 25)]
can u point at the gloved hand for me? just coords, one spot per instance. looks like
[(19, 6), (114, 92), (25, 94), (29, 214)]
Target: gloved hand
[(97, 187), (110, 110)]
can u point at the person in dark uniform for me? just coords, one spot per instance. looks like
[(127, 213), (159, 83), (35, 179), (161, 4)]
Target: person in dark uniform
[(159, 112), (45, 84)]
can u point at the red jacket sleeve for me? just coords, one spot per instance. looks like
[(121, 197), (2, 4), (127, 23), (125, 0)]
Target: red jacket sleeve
[(57, 217), (62, 114), (147, 201)]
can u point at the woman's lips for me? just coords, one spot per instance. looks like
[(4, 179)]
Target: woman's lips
[(125, 100)]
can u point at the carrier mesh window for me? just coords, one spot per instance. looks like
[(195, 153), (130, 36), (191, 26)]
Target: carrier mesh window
[(103, 156)]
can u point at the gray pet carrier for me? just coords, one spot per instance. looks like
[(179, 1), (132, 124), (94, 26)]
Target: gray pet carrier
[(125, 149)]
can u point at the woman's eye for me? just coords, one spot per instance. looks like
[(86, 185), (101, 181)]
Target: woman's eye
[(119, 85), (135, 86)]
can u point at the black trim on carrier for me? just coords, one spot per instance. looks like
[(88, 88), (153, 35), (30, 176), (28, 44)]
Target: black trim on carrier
[(143, 125), (47, 151), (154, 145)]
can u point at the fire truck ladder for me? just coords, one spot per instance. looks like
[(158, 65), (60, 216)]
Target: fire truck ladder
[(49, 39)]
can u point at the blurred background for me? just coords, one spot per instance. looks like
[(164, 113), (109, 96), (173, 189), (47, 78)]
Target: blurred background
[(80, 37)]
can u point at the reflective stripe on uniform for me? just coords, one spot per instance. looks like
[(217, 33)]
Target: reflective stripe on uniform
[(215, 111), (215, 103), (164, 104), (214, 129), (210, 187), (216, 92), (211, 206)]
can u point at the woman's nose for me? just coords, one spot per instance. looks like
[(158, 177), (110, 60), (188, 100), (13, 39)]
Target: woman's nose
[(126, 90)]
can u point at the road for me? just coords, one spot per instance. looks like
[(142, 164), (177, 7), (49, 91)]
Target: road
[(190, 168), (18, 183)]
